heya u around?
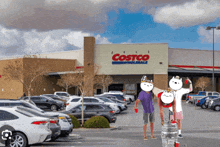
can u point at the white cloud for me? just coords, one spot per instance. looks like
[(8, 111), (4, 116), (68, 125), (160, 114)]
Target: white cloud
[(15, 43), (188, 14), (128, 42), (76, 38), (84, 15), (207, 35), (102, 40)]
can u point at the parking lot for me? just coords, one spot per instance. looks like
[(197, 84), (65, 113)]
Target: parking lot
[(200, 128)]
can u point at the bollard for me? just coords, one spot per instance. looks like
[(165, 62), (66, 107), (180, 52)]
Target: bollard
[(169, 134)]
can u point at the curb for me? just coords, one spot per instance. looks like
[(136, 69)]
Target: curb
[(111, 128)]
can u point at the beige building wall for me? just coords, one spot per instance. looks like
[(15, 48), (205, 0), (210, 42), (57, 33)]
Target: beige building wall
[(9, 89), (194, 57), (76, 54), (157, 63), (12, 89)]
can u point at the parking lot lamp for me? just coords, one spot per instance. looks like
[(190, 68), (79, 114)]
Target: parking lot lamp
[(213, 81)]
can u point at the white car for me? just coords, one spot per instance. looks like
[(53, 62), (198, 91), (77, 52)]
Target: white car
[(27, 129), (75, 101), (126, 96), (64, 120), (120, 105), (64, 94)]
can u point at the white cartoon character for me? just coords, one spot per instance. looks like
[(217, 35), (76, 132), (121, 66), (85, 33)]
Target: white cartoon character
[(146, 98), (146, 85), (176, 85), (167, 97)]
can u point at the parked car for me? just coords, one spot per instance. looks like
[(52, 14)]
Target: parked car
[(54, 121), (46, 102), (65, 94), (129, 98), (113, 96), (28, 129), (215, 104), (193, 98), (64, 120), (56, 97), (75, 101), (202, 102), (121, 104), (208, 100), (93, 109)]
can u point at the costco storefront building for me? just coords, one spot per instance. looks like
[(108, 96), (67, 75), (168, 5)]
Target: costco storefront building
[(127, 63)]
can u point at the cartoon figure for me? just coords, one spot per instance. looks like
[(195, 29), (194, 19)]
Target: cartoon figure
[(166, 100), (145, 96), (176, 85)]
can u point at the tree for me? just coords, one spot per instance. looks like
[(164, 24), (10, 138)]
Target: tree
[(104, 81), (15, 71), (65, 81), (82, 81), (202, 83)]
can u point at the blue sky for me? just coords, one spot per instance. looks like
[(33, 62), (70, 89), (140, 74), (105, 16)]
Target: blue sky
[(46, 26), (141, 28)]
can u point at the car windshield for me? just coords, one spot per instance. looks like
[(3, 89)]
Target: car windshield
[(49, 98), (106, 100), (25, 113), (34, 107), (31, 111)]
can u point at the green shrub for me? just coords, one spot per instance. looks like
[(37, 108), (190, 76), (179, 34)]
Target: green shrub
[(75, 121), (96, 122)]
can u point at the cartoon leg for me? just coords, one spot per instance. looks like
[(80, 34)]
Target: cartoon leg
[(179, 123), (152, 129), (145, 130)]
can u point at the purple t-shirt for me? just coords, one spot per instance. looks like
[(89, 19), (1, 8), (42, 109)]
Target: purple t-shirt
[(146, 100)]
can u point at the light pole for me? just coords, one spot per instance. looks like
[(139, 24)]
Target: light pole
[(213, 81)]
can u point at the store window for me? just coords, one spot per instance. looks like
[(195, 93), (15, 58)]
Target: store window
[(98, 91), (115, 87)]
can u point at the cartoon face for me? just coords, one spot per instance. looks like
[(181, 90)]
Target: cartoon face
[(145, 86), (167, 97), (176, 84)]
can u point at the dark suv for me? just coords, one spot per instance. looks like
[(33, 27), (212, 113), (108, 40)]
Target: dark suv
[(46, 102), (214, 104), (93, 109)]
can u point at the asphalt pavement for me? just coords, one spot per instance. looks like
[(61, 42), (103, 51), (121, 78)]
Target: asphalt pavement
[(200, 128)]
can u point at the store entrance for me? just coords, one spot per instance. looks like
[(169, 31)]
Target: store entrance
[(115, 87)]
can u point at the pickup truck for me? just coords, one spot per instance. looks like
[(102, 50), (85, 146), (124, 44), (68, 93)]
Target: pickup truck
[(129, 98), (193, 98)]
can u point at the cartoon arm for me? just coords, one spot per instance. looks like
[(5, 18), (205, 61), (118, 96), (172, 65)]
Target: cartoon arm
[(188, 90), (156, 91), (190, 86), (174, 110), (161, 110)]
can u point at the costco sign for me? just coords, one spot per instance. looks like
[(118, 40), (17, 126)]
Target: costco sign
[(130, 59)]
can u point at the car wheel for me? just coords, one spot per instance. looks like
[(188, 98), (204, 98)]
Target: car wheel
[(53, 108), (18, 140), (203, 106), (217, 108), (120, 109)]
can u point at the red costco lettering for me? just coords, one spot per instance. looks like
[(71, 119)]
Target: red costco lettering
[(118, 57), (114, 57), (145, 57)]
